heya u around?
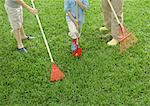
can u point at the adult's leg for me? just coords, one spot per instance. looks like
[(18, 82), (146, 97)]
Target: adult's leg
[(118, 7), (107, 14)]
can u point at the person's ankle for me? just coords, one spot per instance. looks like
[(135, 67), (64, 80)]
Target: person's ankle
[(28, 37), (24, 37), (20, 46), (74, 45), (113, 42), (74, 41)]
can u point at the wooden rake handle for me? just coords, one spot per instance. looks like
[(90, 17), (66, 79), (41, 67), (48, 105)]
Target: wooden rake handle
[(77, 24), (43, 34), (114, 12), (77, 14)]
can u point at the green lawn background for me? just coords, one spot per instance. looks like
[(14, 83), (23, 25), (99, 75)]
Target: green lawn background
[(101, 77)]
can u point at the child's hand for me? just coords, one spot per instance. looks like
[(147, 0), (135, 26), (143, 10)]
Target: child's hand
[(33, 11), (77, 1), (75, 22)]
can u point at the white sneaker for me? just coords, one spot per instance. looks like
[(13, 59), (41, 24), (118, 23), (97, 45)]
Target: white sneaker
[(113, 42), (104, 29)]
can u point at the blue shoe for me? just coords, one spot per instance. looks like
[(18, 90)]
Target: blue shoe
[(74, 47), (23, 50)]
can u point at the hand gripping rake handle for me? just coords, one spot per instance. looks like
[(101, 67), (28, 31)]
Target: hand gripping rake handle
[(118, 21), (43, 34)]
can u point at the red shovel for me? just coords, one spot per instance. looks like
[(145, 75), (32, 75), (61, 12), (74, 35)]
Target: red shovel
[(56, 74)]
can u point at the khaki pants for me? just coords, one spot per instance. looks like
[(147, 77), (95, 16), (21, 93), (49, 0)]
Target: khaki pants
[(15, 16), (110, 21)]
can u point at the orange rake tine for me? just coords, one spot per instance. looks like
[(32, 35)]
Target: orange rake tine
[(56, 74), (127, 39)]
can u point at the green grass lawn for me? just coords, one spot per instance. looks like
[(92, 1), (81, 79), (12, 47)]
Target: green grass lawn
[(101, 77)]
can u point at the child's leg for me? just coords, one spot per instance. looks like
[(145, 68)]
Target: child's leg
[(118, 7), (80, 28), (14, 17), (23, 35), (72, 29), (73, 34), (18, 38), (107, 14)]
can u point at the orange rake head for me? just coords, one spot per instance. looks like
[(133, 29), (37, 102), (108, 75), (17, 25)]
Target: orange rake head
[(77, 53), (56, 74), (127, 39)]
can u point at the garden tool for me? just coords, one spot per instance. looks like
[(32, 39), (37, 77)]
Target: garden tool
[(127, 39), (78, 52), (56, 74)]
